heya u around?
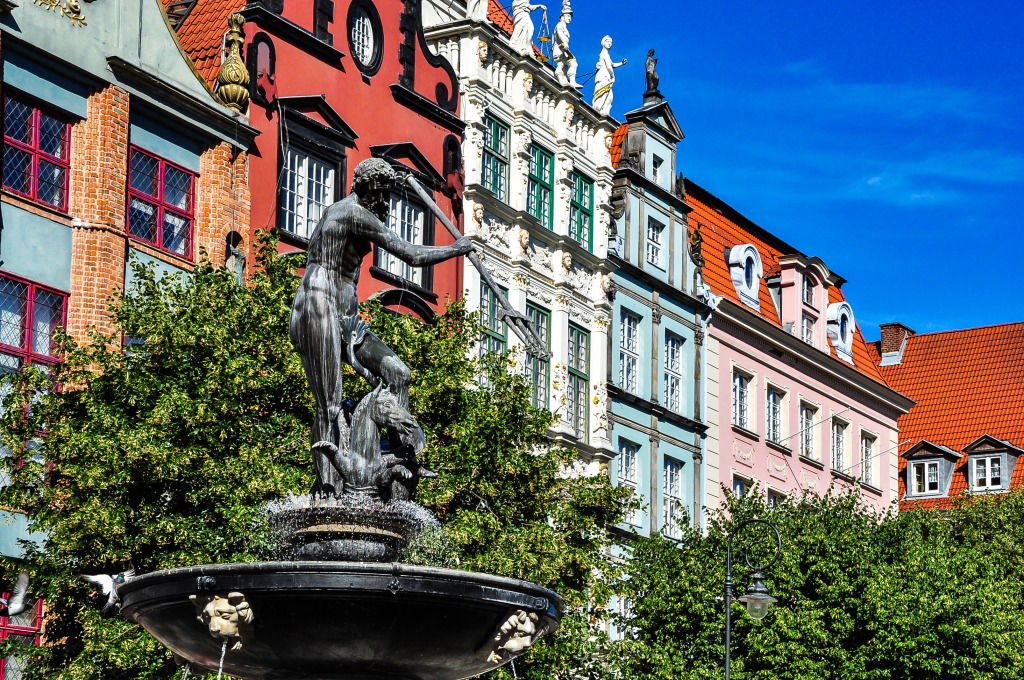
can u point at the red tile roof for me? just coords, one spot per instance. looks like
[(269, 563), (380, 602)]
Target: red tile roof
[(202, 34), (722, 227), (618, 139), (966, 383)]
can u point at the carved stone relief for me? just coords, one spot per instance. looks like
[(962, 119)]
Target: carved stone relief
[(743, 453), (513, 637), (227, 618)]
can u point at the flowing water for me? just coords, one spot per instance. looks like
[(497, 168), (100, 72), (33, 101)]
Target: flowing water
[(357, 528), (223, 651)]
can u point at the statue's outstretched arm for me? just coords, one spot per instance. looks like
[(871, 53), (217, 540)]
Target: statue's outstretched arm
[(412, 253)]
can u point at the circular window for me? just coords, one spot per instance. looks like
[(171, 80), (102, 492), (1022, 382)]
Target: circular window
[(364, 36), (748, 272), (844, 323)]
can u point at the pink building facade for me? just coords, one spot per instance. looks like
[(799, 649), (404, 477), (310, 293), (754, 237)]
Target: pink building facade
[(794, 401)]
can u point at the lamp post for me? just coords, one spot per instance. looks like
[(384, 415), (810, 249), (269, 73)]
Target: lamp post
[(757, 598)]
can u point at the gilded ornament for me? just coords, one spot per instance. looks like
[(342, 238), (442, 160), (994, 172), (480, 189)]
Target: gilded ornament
[(71, 9), (233, 77)]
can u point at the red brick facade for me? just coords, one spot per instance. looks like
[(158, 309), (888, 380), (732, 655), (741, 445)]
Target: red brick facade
[(98, 206)]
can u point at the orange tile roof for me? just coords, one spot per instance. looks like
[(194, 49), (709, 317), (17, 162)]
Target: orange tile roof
[(499, 16), (202, 34), (618, 139), (722, 227), (966, 383)]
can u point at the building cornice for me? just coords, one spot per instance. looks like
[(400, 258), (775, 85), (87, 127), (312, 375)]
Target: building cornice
[(838, 370), (275, 24), (216, 119), (640, 181), (629, 269)]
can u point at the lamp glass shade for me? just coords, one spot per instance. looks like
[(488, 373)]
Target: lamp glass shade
[(757, 598), (758, 609)]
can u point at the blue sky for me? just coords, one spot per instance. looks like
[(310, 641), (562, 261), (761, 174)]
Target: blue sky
[(886, 138)]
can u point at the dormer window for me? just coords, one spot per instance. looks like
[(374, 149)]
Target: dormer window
[(746, 270), (808, 293), (656, 164), (840, 330), (987, 473), (925, 477)]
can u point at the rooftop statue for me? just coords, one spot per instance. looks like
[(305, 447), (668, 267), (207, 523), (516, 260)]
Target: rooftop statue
[(522, 25), (565, 62), (327, 331), (652, 74), (604, 78), (477, 10)]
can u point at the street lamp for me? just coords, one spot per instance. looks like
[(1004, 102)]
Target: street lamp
[(757, 598)]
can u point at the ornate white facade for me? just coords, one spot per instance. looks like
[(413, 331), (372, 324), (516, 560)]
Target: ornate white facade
[(538, 182)]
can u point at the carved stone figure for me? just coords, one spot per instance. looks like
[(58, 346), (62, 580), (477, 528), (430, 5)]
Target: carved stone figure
[(513, 637), (604, 78), (567, 262), (570, 112), (324, 325), (528, 84), (652, 73), (227, 618), (565, 62), (522, 26), (476, 10), (481, 52), (478, 213), (524, 240)]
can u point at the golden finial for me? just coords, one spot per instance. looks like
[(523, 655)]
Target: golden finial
[(233, 77)]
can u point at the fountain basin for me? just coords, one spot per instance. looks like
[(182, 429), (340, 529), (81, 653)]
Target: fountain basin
[(351, 534), (346, 620)]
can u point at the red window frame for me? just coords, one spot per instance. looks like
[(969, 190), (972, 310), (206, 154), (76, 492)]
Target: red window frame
[(25, 350), (8, 630), (35, 153), (161, 205)]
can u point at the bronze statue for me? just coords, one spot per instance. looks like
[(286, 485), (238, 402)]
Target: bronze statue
[(652, 74), (326, 329)]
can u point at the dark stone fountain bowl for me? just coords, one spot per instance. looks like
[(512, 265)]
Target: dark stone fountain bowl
[(347, 620)]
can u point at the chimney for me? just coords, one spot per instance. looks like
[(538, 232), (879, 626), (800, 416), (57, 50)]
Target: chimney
[(894, 337)]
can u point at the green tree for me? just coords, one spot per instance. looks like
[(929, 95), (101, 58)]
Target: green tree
[(861, 595), (160, 452)]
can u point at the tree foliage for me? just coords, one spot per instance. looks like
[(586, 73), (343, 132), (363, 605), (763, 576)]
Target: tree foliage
[(165, 440), (862, 595)]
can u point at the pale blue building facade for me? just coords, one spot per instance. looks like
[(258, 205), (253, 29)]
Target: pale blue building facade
[(658, 329)]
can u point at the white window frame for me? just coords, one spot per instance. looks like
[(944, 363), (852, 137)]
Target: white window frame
[(807, 293), (629, 475), (743, 482), (839, 444), (301, 214), (363, 37), (672, 497), (407, 219), (656, 163), (926, 466), (807, 329), (655, 234), (807, 426), (867, 457), (673, 377), (986, 462), (741, 399), (774, 420), (629, 351)]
